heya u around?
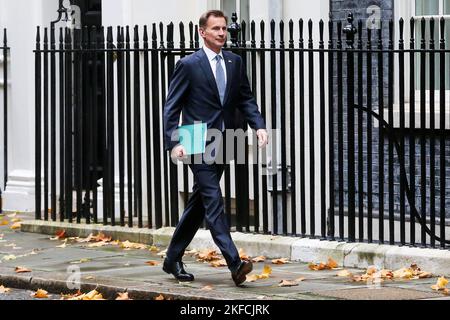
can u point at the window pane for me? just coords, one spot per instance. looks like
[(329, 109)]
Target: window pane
[(427, 7), (228, 7), (446, 6)]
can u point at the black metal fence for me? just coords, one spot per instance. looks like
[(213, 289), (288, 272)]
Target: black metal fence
[(346, 170), (5, 54)]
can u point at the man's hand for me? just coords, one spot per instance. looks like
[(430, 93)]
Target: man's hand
[(178, 152), (263, 138)]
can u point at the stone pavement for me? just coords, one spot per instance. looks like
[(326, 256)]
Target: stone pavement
[(111, 269)]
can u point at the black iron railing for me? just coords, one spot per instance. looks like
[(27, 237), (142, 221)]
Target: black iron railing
[(348, 168)]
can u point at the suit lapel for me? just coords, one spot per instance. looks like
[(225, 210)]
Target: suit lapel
[(229, 66), (206, 67)]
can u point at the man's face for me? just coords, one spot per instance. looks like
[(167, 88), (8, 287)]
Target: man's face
[(215, 33)]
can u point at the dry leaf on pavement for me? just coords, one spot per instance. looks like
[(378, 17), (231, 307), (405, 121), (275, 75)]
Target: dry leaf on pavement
[(22, 270), (218, 263), (207, 255), (93, 295), (123, 296), (259, 259), (152, 263), (154, 249), (280, 261), (61, 234), (40, 294), (441, 284), (267, 271), (4, 290), (332, 264), (63, 245), (344, 273), (16, 226), (288, 283), (4, 222), (160, 297), (9, 257), (207, 288), (243, 255), (127, 245)]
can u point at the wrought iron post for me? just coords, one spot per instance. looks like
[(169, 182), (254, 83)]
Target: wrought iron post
[(350, 31), (234, 28)]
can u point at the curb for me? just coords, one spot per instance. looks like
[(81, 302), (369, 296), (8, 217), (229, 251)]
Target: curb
[(137, 291), (349, 255)]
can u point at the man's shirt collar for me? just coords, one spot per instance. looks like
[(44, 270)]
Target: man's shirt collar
[(211, 54)]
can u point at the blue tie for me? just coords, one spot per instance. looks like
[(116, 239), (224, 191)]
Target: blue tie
[(220, 79)]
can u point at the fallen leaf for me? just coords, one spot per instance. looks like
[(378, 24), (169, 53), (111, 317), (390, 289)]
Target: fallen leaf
[(89, 278), (123, 296), (16, 220), (160, 297), (344, 273), (153, 249), (207, 255), (98, 244), (218, 263), (9, 257), (40, 294), (59, 235), (152, 263), (16, 226), (318, 267), (22, 270), (424, 274), (332, 264), (207, 288), (63, 245), (93, 295), (76, 296), (288, 283), (259, 259), (101, 237), (4, 222), (4, 290), (371, 270), (243, 255), (280, 261), (441, 284), (266, 271), (403, 273), (130, 245), (84, 240)]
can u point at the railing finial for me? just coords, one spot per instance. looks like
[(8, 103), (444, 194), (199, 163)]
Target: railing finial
[(234, 28), (350, 31)]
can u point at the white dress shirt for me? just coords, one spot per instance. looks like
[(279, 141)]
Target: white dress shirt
[(213, 62)]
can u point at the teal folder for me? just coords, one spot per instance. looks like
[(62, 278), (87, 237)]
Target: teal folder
[(193, 138)]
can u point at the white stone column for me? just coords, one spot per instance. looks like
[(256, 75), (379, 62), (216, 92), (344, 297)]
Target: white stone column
[(21, 18)]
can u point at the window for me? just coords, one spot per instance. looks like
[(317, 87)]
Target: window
[(432, 9), (242, 9)]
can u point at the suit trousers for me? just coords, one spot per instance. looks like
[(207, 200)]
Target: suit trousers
[(205, 203)]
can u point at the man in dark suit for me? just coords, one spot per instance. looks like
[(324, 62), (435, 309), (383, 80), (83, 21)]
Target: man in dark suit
[(207, 87)]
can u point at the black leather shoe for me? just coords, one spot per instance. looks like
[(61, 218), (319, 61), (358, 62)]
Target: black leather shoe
[(177, 270), (239, 276)]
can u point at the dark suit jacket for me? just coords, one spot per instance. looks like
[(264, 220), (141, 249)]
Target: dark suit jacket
[(193, 90)]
